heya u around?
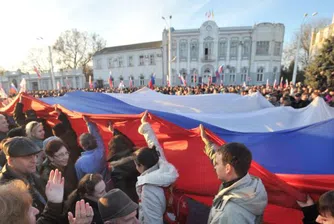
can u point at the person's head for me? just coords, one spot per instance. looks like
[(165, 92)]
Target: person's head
[(233, 161), (16, 204), (326, 208), (146, 158), (87, 141), (57, 153), (91, 186), (31, 114), (3, 124), (304, 96), (286, 101), (35, 129), (116, 207), (21, 154), (59, 129), (119, 145), (314, 95), (297, 97)]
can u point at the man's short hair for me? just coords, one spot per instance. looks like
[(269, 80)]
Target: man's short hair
[(237, 155), (88, 141), (326, 204)]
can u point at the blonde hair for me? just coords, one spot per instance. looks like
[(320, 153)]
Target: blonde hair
[(30, 127), (15, 202)]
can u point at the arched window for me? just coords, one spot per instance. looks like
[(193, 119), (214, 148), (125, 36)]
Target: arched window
[(183, 50), (232, 74), (222, 48), (246, 48), (259, 77), (244, 71), (194, 50), (234, 48)]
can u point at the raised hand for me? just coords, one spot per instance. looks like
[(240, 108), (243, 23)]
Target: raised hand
[(203, 134), (309, 202), (144, 117), (20, 99), (54, 189), (85, 118), (58, 111), (110, 126), (83, 213)]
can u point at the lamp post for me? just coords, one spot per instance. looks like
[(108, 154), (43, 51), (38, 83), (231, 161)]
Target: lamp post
[(53, 82), (169, 49), (294, 75)]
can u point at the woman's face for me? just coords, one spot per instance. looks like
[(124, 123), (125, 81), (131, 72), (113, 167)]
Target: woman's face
[(39, 132), (100, 190), (140, 168), (32, 212), (60, 158)]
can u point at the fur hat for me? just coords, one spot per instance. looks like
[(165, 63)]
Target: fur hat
[(115, 204)]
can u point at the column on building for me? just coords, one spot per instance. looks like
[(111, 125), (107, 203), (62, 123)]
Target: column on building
[(238, 67)]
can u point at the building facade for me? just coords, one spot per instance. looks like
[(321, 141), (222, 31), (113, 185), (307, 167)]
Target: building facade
[(69, 78), (247, 54), (318, 38)]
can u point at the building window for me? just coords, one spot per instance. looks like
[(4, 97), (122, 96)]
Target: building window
[(275, 72), (277, 50), (110, 63), (194, 50), (174, 48), (208, 48), (183, 50), (98, 64), (243, 74), (232, 75), (262, 47), (259, 77), (77, 82), (246, 49), (222, 48), (120, 61), (234, 48), (130, 61), (141, 80), (152, 59), (141, 60)]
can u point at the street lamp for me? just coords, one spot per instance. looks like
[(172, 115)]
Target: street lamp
[(169, 49), (53, 82), (294, 75)]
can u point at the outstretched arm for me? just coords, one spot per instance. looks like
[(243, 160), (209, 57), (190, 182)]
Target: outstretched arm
[(93, 130), (210, 148), (146, 130), (18, 114)]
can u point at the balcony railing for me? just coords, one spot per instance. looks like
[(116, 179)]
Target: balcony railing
[(209, 58)]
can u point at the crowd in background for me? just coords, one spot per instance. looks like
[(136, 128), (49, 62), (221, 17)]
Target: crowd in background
[(297, 97)]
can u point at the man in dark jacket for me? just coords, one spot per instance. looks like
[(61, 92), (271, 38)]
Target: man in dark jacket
[(21, 164), (66, 133)]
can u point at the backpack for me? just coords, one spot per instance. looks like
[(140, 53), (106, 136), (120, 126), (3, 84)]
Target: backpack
[(176, 206)]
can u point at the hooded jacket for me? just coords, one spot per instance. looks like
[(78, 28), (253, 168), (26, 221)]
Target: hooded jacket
[(242, 202), (150, 184)]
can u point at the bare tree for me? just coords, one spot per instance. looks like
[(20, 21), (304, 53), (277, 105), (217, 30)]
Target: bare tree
[(304, 52), (38, 57), (75, 49)]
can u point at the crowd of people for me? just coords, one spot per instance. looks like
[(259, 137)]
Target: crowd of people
[(51, 175), (298, 96)]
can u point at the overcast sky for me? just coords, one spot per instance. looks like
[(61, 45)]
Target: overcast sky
[(123, 22)]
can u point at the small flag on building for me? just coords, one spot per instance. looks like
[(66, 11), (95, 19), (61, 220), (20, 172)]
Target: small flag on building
[(274, 86), (13, 89), (267, 86), (90, 82), (182, 80), (37, 72), (23, 86), (110, 80), (130, 82)]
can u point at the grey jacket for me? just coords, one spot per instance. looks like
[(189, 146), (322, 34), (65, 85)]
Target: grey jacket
[(242, 202), (152, 200)]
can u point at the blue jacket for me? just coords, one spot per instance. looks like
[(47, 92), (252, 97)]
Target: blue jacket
[(92, 161)]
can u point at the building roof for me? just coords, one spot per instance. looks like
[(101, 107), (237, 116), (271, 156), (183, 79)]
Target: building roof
[(140, 46)]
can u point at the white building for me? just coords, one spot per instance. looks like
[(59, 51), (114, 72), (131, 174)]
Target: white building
[(250, 54), (71, 78)]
